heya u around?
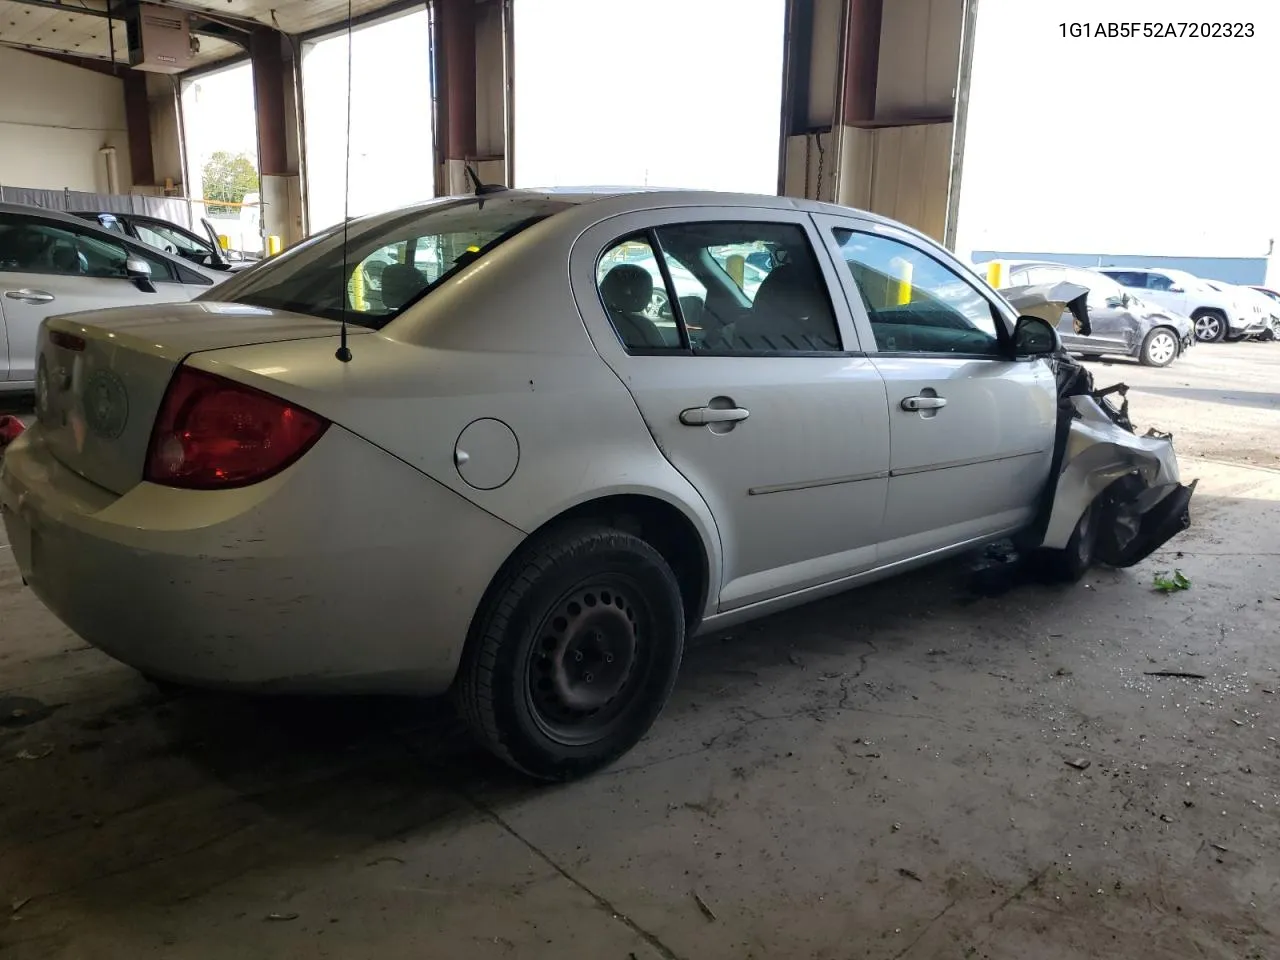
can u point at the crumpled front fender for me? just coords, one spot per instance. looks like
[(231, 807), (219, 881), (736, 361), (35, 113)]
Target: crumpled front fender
[(1101, 457)]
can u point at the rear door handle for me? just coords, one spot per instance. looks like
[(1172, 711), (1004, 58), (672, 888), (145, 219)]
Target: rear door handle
[(29, 296), (923, 403), (700, 416)]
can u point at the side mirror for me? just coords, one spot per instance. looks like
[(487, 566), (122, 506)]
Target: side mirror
[(1116, 303), (1034, 337), (139, 271)]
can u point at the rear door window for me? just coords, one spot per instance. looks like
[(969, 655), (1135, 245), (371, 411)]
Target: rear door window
[(718, 288), (760, 286)]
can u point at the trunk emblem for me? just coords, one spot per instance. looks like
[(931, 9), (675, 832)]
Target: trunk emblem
[(106, 404)]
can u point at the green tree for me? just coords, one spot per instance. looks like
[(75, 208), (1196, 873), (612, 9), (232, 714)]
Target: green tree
[(228, 177)]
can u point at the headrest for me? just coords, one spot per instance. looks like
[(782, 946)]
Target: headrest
[(628, 288), (788, 290), (401, 282)]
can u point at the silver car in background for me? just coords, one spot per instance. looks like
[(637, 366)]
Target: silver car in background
[(55, 263), (507, 481)]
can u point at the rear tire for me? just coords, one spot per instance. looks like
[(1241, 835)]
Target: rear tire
[(1159, 348), (1072, 562), (574, 652), (1210, 326)]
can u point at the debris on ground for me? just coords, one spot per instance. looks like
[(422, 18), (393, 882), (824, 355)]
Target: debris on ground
[(702, 905), (17, 905), (1164, 817), (1219, 847), (282, 916), (10, 429), (1080, 763), (1174, 673), (896, 827), (1062, 672), (38, 754), (1165, 582), (909, 874), (795, 660)]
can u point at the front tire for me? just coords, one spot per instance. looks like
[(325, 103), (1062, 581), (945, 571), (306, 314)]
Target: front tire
[(573, 653), (1210, 325), (1159, 348), (1073, 561)]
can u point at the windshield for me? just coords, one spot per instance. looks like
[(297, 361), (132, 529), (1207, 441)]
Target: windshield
[(389, 262)]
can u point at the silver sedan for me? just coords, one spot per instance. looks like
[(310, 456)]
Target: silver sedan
[(497, 475)]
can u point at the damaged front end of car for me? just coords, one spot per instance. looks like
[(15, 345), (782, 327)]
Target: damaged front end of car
[(1121, 488)]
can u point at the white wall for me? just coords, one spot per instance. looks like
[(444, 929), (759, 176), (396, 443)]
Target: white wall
[(1143, 146), (51, 132)]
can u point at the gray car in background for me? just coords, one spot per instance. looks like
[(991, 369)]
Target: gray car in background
[(55, 263), (1122, 323)]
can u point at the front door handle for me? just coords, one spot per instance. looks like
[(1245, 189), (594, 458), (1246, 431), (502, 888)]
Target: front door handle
[(701, 416), (923, 403), (27, 295)]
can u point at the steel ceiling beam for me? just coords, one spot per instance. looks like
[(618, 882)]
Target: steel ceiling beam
[(67, 8)]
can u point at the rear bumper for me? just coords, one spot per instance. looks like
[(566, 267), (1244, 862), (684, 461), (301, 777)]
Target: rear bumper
[(348, 572), (1247, 328)]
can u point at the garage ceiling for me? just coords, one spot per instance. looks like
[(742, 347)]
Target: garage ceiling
[(79, 29), (291, 16)]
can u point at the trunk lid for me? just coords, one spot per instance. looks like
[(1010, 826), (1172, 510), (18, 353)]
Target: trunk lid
[(101, 375)]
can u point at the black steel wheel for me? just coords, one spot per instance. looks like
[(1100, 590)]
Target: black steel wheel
[(574, 652)]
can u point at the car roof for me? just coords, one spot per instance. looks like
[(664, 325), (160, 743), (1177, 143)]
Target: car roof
[(622, 199), (1018, 264), (80, 223)]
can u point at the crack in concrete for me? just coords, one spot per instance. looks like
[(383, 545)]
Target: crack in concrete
[(1017, 894), (920, 936), (600, 900)]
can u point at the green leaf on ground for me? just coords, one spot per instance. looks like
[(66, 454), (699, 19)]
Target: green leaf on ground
[(1170, 583)]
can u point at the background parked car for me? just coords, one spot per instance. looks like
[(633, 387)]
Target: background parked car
[(171, 238), (1263, 307), (55, 263), (1217, 315), (1274, 297), (1122, 322)]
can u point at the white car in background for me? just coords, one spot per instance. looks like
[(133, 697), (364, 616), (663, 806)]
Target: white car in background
[(1266, 309), (1219, 313), (56, 263)]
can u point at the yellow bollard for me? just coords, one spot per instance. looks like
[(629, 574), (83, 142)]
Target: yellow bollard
[(902, 281), (273, 246), (736, 267), (995, 274), (357, 289)]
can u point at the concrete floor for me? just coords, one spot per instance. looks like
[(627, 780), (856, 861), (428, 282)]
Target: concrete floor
[(951, 764)]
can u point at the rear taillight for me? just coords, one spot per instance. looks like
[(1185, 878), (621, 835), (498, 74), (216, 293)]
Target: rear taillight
[(212, 434)]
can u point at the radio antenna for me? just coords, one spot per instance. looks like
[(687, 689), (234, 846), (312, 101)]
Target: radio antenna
[(344, 352)]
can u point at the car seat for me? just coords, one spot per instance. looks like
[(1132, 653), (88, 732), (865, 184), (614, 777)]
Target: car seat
[(627, 290)]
